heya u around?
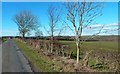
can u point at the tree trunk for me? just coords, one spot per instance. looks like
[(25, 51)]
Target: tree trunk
[(23, 35), (51, 44), (78, 47), (78, 51), (51, 47)]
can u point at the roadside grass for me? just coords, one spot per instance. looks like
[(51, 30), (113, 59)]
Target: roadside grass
[(40, 61), (45, 64)]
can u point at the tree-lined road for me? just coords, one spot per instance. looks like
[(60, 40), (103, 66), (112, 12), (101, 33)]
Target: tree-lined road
[(12, 58)]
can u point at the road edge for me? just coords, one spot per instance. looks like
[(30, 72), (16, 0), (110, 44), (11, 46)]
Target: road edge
[(20, 52)]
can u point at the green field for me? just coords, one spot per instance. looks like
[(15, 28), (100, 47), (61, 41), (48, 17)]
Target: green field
[(108, 45), (88, 46), (103, 47)]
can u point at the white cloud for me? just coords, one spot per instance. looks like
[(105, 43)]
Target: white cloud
[(105, 26), (112, 24)]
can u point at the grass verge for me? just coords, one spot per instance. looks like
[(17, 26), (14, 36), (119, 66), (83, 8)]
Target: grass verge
[(38, 60)]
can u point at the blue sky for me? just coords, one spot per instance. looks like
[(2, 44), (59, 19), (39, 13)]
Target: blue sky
[(9, 9)]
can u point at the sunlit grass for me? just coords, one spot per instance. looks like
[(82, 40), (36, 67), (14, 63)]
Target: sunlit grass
[(40, 61)]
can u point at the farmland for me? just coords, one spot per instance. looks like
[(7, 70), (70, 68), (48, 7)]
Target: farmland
[(104, 45), (101, 55)]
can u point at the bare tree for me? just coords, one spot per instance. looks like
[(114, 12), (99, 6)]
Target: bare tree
[(38, 34), (54, 18), (81, 15), (26, 22)]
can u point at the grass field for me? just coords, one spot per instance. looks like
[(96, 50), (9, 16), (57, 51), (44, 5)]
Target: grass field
[(44, 64), (100, 46), (105, 45), (95, 45)]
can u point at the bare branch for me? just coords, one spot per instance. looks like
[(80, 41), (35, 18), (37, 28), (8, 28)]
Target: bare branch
[(26, 22), (81, 15)]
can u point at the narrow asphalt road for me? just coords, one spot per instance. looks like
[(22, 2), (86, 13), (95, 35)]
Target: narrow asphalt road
[(12, 58)]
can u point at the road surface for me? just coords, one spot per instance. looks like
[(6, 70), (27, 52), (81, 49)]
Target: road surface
[(12, 58)]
